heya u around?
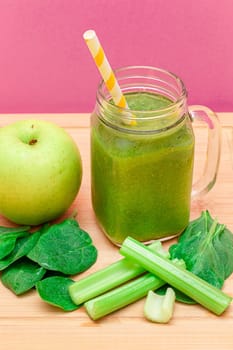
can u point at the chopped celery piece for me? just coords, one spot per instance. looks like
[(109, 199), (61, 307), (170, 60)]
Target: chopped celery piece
[(196, 288), (109, 277), (159, 308), (124, 295)]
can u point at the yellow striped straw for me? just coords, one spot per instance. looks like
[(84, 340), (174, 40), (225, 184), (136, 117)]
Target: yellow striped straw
[(105, 69)]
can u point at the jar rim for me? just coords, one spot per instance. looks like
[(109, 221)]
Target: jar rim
[(162, 110)]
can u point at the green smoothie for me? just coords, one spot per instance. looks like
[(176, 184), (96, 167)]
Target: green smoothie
[(141, 183)]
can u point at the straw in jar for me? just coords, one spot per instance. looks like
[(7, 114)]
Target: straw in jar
[(105, 70)]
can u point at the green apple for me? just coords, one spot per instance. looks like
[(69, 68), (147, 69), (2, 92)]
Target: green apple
[(40, 171)]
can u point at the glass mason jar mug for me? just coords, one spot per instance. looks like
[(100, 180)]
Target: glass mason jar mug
[(142, 158)]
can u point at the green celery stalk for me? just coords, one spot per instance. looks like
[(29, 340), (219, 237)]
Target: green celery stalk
[(125, 294), (103, 280), (109, 277), (122, 296), (196, 288)]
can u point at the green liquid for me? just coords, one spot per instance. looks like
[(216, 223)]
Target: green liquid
[(141, 184)]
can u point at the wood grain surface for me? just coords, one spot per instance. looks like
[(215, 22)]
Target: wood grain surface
[(26, 322)]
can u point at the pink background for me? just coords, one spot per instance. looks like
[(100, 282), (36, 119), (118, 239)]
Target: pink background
[(45, 65)]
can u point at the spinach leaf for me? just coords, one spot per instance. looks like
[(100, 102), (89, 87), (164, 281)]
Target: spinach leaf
[(64, 247), (221, 241), (7, 244), (207, 249), (55, 291), (8, 241), (22, 247), (15, 230), (22, 275)]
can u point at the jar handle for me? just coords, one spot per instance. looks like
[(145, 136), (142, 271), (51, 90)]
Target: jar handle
[(208, 178)]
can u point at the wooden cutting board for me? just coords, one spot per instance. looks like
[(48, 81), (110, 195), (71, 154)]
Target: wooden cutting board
[(26, 322)]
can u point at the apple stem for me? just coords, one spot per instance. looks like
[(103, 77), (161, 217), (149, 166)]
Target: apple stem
[(32, 142)]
